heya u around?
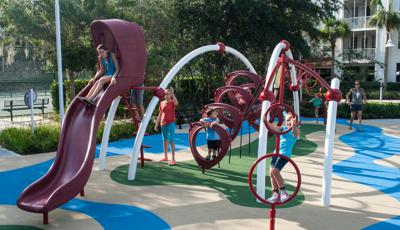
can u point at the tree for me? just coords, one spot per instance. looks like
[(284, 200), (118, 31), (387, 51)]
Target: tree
[(33, 22), (332, 30), (387, 19), (253, 26)]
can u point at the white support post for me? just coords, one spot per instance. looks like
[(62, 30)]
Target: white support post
[(329, 144), (263, 132), (32, 115), (59, 61), (106, 133)]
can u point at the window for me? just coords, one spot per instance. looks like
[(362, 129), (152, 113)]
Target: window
[(355, 43), (396, 5), (398, 40), (373, 41)]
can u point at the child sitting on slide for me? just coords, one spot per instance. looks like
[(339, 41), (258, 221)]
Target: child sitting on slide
[(213, 139), (109, 69), (286, 144)]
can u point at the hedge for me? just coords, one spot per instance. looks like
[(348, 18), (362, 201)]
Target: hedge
[(391, 91), (46, 137), (22, 141), (371, 110)]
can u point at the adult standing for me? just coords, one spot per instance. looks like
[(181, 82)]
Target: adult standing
[(136, 99), (355, 98), (167, 119)]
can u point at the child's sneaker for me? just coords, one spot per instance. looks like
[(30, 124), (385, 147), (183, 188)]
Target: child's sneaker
[(214, 156), (208, 157), (350, 128), (284, 196), (172, 163), (274, 198), (163, 160)]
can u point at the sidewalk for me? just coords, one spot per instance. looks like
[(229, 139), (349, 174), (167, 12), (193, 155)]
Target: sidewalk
[(7, 153)]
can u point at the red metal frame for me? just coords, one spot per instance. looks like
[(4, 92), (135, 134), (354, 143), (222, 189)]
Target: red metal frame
[(272, 205), (225, 140)]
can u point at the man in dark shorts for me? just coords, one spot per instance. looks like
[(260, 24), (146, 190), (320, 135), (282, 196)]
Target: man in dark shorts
[(136, 100), (355, 98)]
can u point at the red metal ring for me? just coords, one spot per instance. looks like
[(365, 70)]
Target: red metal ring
[(250, 178), (225, 141), (268, 125)]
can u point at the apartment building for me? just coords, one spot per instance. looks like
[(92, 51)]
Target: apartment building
[(367, 43)]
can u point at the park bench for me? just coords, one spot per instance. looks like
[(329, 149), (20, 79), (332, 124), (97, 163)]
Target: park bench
[(12, 105)]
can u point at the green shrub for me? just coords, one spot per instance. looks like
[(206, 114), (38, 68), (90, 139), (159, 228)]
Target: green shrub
[(391, 91), (387, 95), (372, 110), (22, 141), (46, 137), (79, 85), (54, 96)]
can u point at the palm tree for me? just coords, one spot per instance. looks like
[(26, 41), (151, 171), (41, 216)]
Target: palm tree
[(331, 31), (387, 19)]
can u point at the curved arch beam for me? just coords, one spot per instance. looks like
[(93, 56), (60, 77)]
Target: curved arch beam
[(167, 80)]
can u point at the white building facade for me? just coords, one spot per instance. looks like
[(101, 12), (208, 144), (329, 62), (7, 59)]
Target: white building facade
[(368, 43)]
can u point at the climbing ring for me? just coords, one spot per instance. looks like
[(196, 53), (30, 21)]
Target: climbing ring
[(251, 172), (276, 111)]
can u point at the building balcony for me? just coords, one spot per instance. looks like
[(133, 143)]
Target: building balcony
[(358, 22), (358, 55)]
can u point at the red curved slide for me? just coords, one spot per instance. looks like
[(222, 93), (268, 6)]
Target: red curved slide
[(72, 166)]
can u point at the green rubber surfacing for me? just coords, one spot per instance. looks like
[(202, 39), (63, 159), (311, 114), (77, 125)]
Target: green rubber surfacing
[(230, 179)]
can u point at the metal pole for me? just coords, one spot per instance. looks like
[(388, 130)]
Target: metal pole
[(31, 105), (59, 62), (381, 91), (249, 138), (241, 136), (272, 214)]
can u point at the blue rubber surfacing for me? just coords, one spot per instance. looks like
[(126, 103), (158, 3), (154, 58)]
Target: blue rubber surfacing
[(371, 145), (109, 216)]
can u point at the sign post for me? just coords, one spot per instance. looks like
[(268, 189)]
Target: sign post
[(30, 98)]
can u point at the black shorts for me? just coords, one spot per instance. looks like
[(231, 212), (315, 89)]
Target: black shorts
[(213, 144), (355, 108), (278, 162)]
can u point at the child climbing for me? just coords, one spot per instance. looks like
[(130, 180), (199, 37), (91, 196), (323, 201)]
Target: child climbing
[(109, 69), (286, 144), (213, 139)]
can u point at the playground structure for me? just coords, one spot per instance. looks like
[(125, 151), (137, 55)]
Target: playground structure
[(281, 65), (72, 166), (71, 169), (240, 110)]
